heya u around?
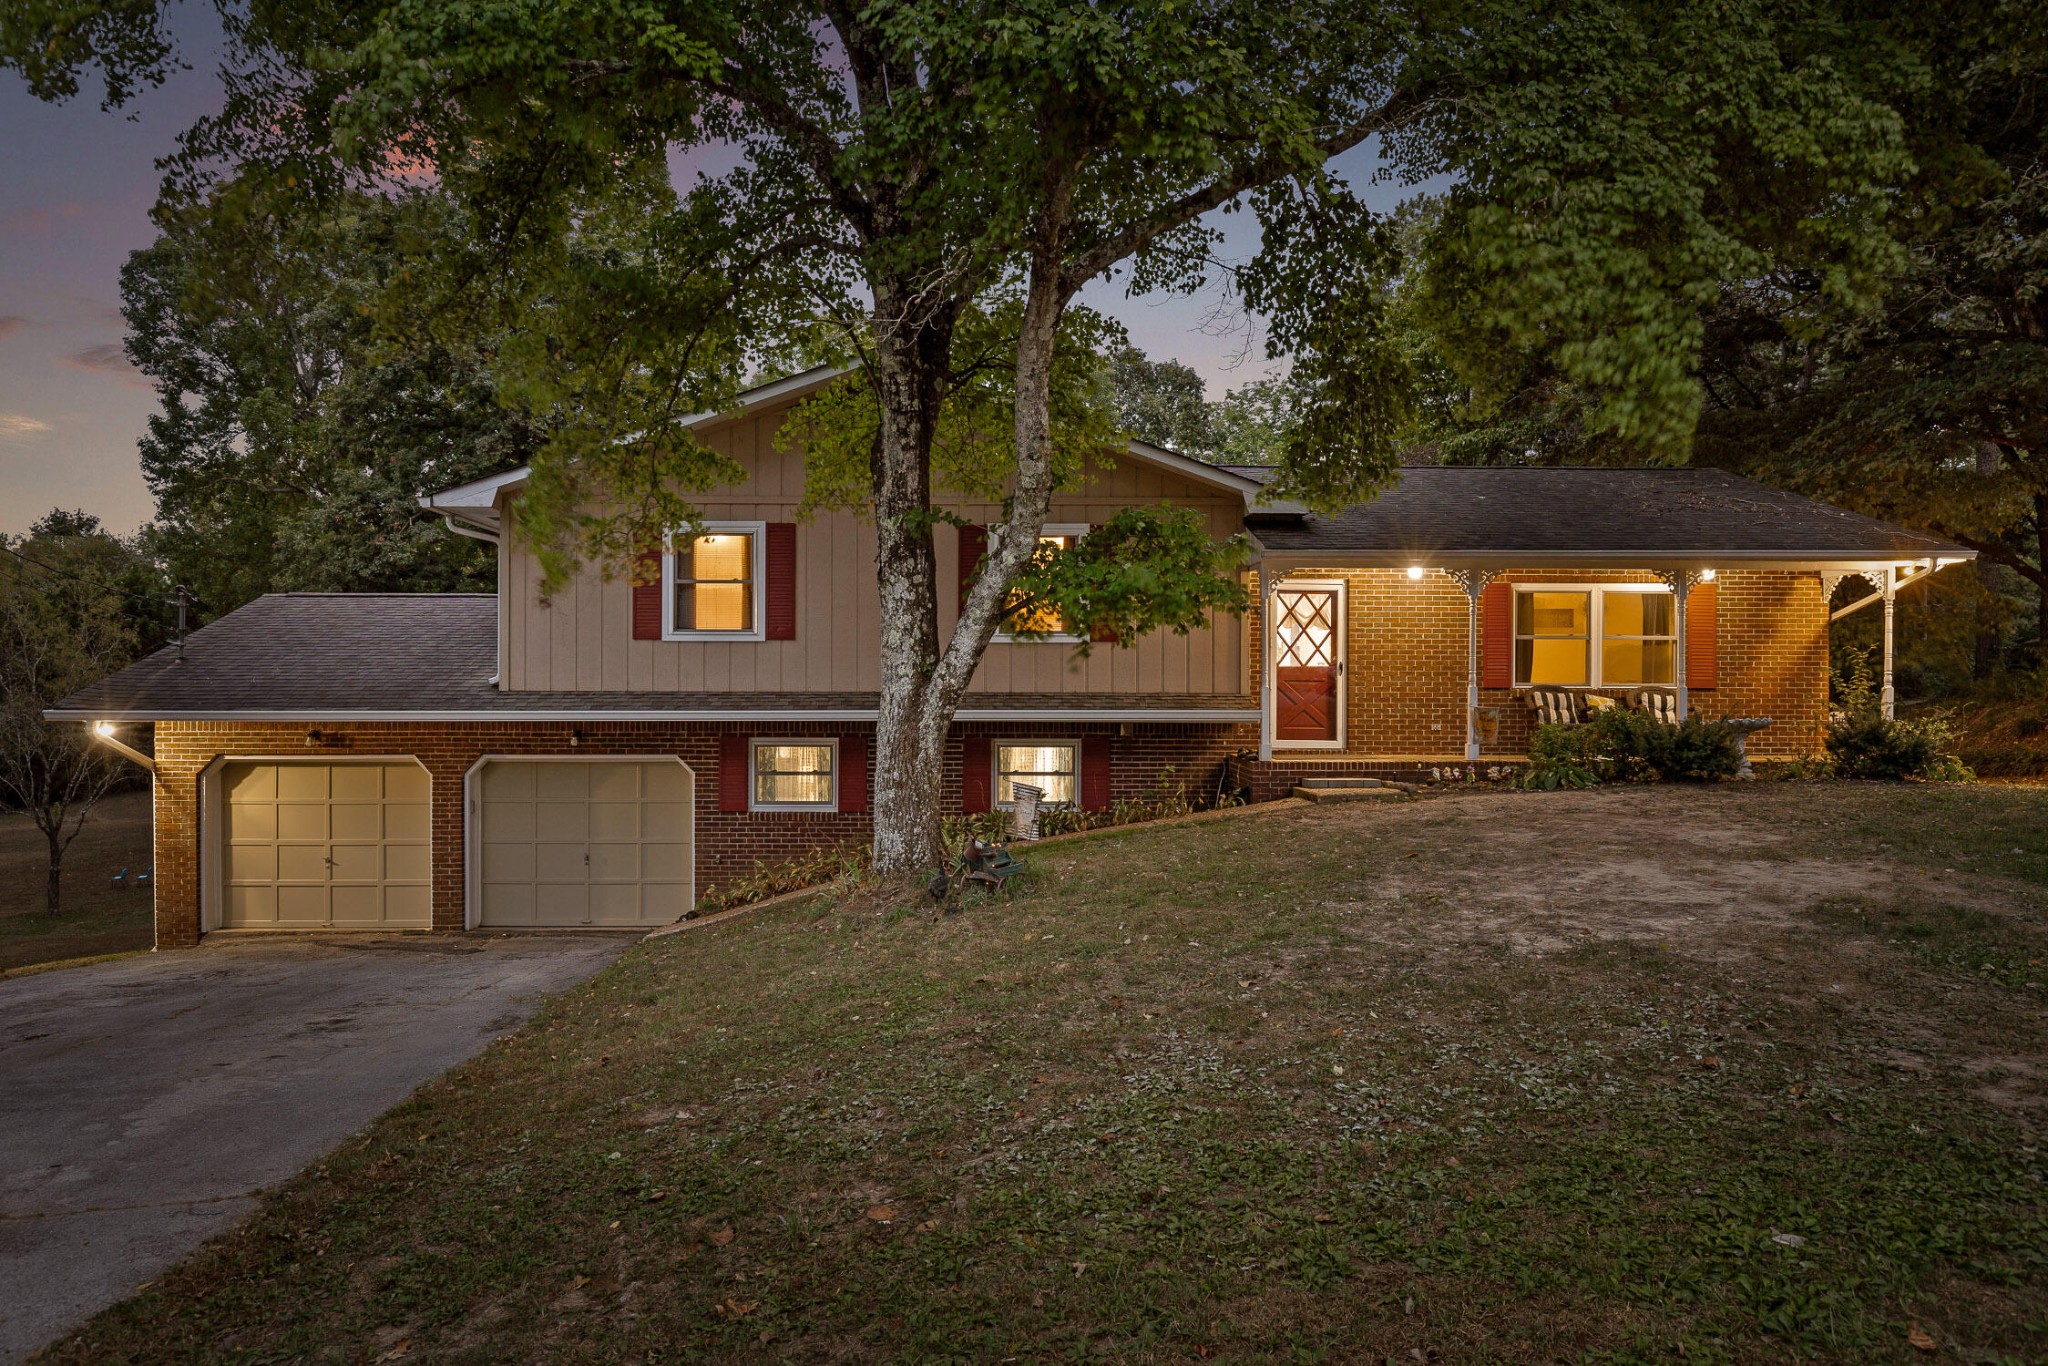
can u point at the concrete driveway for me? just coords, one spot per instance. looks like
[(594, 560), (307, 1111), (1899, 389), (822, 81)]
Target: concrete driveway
[(144, 1103)]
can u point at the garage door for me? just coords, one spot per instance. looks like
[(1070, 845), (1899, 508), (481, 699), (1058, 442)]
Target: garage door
[(325, 846), (590, 842)]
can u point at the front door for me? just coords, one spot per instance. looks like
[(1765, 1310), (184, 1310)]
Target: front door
[(1308, 658)]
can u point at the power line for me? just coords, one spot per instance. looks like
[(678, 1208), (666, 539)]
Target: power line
[(67, 574)]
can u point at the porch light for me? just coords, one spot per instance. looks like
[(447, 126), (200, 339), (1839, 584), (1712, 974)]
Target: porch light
[(1706, 576), (1415, 571), (103, 729)]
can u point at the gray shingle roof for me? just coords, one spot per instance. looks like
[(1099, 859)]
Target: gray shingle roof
[(1551, 511), (309, 656)]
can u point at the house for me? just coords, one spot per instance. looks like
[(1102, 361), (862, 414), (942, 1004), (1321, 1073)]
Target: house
[(453, 761)]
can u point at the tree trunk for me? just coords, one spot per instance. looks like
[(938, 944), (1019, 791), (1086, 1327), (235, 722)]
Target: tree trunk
[(911, 355), (53, 888), (2041, 584)]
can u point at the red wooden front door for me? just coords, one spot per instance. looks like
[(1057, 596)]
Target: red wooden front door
[(1305, 658)]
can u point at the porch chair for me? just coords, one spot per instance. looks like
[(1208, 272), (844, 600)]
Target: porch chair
[(1556, 706), (1661, 703)]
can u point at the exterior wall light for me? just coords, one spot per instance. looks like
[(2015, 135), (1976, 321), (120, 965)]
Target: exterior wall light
[(1706, 576), (1415, 571), (103, 731)]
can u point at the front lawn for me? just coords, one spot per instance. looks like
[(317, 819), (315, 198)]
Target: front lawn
[(1753, 1072), (98, 917)]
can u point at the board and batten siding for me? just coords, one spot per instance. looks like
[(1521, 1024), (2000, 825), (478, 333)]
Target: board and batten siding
[(582, 640)]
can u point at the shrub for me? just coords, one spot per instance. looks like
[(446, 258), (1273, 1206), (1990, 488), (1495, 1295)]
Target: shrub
[(1622, 746), (1865, 745)]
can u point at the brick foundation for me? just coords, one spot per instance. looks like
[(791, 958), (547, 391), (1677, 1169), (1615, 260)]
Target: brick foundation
[(727, 843)]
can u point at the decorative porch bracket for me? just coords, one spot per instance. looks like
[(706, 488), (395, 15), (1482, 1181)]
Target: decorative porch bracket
[(1681, 582), (1269, 584), (1885, 585), (1474, 582)]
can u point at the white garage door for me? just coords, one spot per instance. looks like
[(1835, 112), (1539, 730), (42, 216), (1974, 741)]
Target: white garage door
[(589, 842), (325, 846)]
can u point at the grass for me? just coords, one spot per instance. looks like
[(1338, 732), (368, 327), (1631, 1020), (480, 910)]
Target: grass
[(1607, 1076), (98, 917)]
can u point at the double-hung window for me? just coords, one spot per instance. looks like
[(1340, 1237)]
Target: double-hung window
[(1045, 619), (1048, 767), (714, 582), (1621, 637), (795, 775)]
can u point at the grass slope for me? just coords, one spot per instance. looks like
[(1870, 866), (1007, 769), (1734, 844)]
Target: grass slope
[(98, 917), (1749, 1073)]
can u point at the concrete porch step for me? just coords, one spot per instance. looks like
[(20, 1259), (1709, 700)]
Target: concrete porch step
[(1341, 782), (1352, 794)]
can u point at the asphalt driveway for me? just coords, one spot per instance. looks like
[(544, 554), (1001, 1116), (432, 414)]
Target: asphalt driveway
[(144, 1103)]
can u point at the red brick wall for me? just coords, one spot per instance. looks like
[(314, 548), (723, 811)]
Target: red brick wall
[(1407, 651), (727, 843)]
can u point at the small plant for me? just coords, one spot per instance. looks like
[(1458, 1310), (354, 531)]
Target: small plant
[(828, 863), (1622, 746), (1865, 745)]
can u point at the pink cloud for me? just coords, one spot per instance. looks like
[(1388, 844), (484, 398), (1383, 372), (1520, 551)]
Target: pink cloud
[(39, 221), (105, 358), (11, 323)]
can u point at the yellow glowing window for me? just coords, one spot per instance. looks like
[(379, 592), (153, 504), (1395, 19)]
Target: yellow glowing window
[(792, 774), (1044, 619), (1553, 632), (1638, 641), (715, 583), (1049, 768)]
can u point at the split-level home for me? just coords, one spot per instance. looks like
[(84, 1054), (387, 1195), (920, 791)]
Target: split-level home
[(602, 756)]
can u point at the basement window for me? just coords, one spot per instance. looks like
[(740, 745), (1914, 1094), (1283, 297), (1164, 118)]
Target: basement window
[(1049, 768)]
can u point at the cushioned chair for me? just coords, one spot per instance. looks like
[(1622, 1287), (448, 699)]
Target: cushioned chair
[(1556, 706), (1659, 702)]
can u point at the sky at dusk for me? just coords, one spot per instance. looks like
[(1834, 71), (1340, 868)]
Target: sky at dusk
[(76, 186)]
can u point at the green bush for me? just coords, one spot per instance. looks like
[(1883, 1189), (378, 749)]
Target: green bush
[(1622, 746), (1865, 745)]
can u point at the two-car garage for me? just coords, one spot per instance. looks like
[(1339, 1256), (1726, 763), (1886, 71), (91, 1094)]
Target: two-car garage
[(549, 843)]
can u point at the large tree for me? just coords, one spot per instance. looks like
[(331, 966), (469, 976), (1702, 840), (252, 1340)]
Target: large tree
[(901, 168), (304, 407)]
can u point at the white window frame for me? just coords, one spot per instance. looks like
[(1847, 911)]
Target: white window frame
[(1077, 530), (1596, 626), (754, 743), (995, 765), (759, 531)]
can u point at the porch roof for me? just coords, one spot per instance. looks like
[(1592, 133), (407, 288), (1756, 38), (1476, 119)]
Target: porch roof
[(1457, 516)]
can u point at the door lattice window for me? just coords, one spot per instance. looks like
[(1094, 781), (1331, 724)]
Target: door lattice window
[(1306, 630)]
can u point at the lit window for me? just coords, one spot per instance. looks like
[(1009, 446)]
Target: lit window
[(793, 774), (1552, 631), (1555, 631), (1637, 643), (1045, 620), (1049, 768), (714, 583)]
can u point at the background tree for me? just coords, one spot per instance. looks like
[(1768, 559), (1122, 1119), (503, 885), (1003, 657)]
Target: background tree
[(904, 167), (69, 609), (304, 407)]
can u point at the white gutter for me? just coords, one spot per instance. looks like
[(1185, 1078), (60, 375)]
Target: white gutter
[(1221, 716)]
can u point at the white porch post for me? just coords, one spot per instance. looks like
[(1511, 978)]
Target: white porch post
[(1891, 592), (1681, 582), (1268, 583), (1474, 582)]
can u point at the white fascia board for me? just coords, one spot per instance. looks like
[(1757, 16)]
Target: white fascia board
[(1251, 490), (1180, 715), (1596, 559)]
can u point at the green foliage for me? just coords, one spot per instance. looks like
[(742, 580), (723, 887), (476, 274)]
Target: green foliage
[(1142, 570), (302, 413), (1618, 745), (825, 864), (1865, 745), (1163, 402)]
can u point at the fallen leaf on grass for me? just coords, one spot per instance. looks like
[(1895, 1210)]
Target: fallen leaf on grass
[(1710, 1062), (401, 1349), (1919, 1339), (735, 1308), (721, 1237), (927, 1226), (881, 1214)]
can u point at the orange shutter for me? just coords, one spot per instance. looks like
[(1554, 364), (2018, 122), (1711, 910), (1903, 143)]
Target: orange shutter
[(1702, 623), (853, 773), (780, 616), (647, 596), (732, 773), (973, 545), (1497, 636), (975, 774)]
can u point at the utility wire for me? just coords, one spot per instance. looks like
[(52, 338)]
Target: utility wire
[(67, 574)]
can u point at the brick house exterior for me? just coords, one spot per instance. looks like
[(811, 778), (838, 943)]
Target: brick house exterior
[(604, 752)]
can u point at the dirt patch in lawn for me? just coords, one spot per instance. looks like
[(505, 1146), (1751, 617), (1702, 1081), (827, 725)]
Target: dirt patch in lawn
[(98, 915)]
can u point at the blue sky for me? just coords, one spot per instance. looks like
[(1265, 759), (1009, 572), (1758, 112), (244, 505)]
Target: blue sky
[(76, 185)]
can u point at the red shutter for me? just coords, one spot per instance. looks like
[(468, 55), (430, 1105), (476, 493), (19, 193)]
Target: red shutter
[(1095, 773), (1702, 656), (973, 545), (647, 596), (781, 558), (976, 774), (1497, 636), (732, 773), (1103, 635), (853, 773)]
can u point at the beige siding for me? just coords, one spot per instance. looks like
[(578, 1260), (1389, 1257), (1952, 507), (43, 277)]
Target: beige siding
[(582, 639)]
